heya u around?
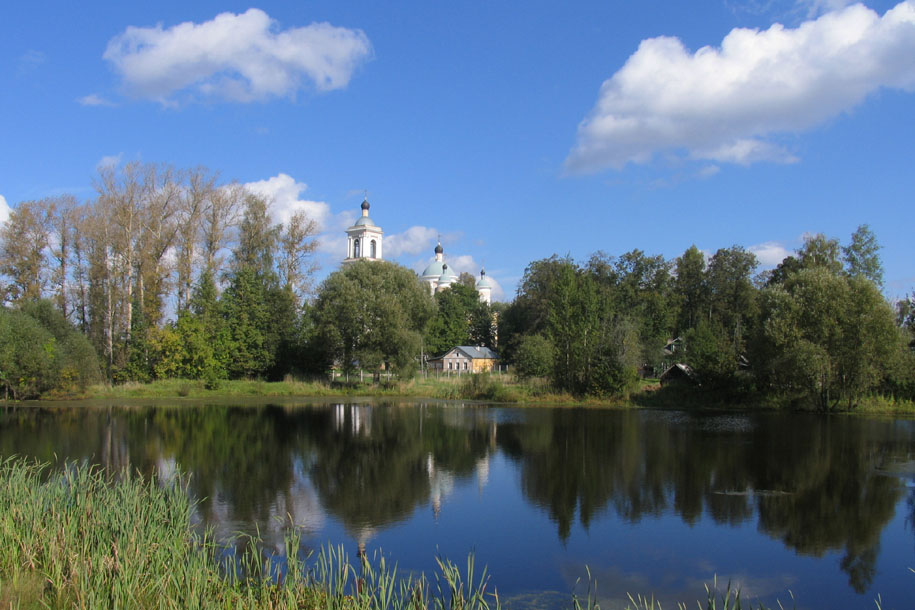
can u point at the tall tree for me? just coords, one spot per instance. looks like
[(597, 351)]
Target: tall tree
[(297, 247), (862, 256), (23, 240), (690, 285)]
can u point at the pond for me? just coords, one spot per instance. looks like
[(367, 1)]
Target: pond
[(651, 501)]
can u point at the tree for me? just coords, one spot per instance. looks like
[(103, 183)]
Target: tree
[(732, 296), (297, 247), (828, 337), (862, 258), (820, 251), (370, 313), (534, 357), (451, 324), (690, 285), (23, 239)]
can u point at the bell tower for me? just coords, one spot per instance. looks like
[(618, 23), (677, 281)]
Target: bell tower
[(364, 238)]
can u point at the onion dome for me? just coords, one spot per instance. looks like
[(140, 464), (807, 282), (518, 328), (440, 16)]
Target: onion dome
[(483, 282), (447, 277), (435, 268)]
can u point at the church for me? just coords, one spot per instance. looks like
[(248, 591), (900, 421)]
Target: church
[(364, 242)]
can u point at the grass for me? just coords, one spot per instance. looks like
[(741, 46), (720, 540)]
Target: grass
[(79, 539)]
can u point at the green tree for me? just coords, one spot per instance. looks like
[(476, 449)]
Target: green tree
[(820, 251), (862, 258), (451, 324), (825, 336), (690, 285), (370, 313), (534, 357)]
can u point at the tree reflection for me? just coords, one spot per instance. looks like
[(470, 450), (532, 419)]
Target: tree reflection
[(814, 483)]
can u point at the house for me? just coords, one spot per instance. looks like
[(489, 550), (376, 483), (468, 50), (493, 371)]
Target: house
[(465, 359), (679, 373)]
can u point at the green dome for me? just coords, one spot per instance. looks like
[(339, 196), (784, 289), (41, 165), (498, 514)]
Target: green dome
[(434, 270)]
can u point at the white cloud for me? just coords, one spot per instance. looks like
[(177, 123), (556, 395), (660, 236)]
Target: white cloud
[(282, 193), (4, 210), (414, 240), (721, 103), (708, 171), (93, 99), (109, 161), (770, 253), (242, 58)]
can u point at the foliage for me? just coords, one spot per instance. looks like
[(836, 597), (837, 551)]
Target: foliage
[(711, 354), (862, 257), (830, 337), (370, 313), (452, 323), (40, 351), (533, 357)]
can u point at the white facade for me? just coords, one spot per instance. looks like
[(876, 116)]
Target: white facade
[(364, 239)]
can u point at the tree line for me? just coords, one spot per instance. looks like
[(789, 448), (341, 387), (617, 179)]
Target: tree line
[(170, 273), (814, 331)]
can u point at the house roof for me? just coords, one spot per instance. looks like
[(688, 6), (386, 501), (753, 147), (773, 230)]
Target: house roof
[(679, 369), (477, 352)]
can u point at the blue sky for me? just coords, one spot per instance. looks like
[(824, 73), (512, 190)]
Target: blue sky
[(514, 131)]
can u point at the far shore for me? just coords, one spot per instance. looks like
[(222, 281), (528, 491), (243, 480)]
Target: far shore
[(495, 388)]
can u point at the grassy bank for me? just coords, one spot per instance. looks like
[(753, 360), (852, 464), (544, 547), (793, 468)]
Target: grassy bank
[(500, 388), (489, 387), (78, 539)]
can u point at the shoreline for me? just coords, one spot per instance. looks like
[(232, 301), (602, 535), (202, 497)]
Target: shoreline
[(500, 389)]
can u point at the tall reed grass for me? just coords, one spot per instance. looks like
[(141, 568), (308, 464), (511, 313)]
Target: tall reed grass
[(79, 538)]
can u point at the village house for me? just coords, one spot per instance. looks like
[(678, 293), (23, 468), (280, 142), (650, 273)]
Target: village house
[(465, 359)]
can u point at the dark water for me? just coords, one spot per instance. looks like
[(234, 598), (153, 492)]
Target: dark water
[(651, 501)]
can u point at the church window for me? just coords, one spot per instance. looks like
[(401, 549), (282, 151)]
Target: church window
[(355, 248), (373, 250)]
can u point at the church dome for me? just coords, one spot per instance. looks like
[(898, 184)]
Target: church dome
[(439, 249), (365, 204), (434, 270), (364, 221), (483, 282), (447, 277)]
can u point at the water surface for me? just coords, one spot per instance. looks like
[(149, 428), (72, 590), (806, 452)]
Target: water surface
[(651, 501)]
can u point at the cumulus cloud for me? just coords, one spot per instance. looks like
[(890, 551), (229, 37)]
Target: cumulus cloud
[(93, 99), (4, 210), (282, 192), (770, 253), (414, 240), (726, 103), (241, 58)]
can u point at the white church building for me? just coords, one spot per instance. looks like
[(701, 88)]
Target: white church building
[(364, 242)]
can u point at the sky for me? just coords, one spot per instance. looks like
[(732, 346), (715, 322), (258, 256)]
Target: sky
[(510, 131)]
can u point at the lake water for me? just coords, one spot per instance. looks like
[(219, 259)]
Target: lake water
[(650, 501)]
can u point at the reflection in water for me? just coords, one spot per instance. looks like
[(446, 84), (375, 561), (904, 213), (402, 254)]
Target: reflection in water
[(818, 485)]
